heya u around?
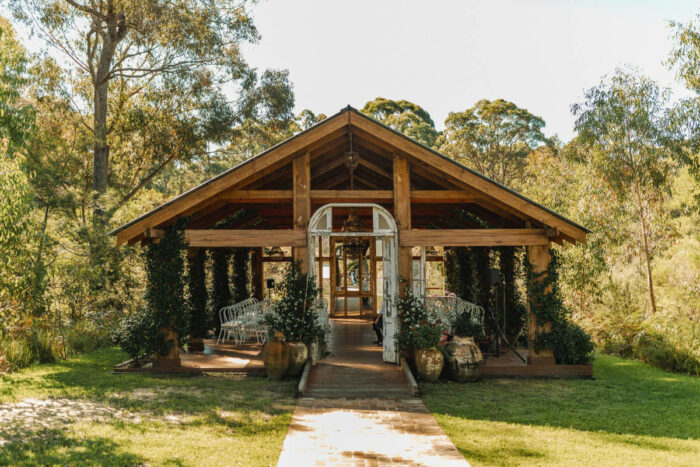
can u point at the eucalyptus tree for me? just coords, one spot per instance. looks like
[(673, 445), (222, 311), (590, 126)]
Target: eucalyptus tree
[(16, 130), (494, 138), (151, 74), (685, 57), (405, 117), (623, 122)]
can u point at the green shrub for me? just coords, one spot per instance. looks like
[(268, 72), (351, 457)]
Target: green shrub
[(571, 345), (84, 336), (29, 345), (416, 330), (135, 332), (17, 351), (654, 348), (295, 313), (465, 326)]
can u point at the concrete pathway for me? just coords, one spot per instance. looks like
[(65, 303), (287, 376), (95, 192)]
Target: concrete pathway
[(363, 414)]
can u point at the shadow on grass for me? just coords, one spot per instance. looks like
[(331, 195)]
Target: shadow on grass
[(248, 405), (53, 448), (627, 397)]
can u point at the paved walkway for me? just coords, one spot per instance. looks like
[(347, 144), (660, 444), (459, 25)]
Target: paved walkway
[(361, 412)]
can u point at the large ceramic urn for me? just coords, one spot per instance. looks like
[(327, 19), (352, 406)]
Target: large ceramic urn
[(465, 360), (298, 354), (276, 356), (429, 363)]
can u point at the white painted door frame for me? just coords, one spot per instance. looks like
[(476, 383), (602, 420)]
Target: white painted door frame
[(383, 227)]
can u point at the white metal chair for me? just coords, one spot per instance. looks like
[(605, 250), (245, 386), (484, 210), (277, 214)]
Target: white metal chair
[(230, 321)]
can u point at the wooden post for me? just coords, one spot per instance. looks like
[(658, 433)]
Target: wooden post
[(301, 193), (402, 215), (257, 280), (539, 258)]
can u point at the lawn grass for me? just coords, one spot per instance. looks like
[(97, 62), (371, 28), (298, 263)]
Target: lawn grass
[(631, 414), (162, 420)]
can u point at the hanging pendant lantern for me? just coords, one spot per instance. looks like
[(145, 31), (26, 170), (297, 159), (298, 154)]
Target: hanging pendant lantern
[(352, 159)]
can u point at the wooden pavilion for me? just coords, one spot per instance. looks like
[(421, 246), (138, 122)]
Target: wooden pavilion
[(351, 184)]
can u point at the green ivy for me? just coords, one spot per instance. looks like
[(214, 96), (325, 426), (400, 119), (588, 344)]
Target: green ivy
[(516, 312), (221, 291), (568, 342), (239, 279), (200, 319), (142, 333)]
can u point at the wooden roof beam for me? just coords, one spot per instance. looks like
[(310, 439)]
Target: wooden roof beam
[(473, 237)]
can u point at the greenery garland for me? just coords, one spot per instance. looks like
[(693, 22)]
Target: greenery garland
[(200, 320), (569, 343)]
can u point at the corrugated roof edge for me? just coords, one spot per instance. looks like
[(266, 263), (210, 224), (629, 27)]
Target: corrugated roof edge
[(349, 108)]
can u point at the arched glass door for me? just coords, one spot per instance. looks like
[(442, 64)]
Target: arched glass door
[(348, 266)]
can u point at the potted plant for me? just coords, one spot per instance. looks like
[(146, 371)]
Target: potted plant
[(418, 337), (465, 360), (295, 316), (276, 356), (429, 359)]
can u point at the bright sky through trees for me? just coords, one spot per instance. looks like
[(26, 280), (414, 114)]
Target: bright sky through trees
[(445, 56)]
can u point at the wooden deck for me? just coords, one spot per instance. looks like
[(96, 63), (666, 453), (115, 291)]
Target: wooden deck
[(221, 358), (356, 369), (356, 359), (509, 365)]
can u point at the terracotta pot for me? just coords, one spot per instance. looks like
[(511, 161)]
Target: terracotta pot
[(429, 363), (196, 344), (276, 357), (298, 354), (465, 360)]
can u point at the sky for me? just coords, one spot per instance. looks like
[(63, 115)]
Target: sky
[(447, 55)]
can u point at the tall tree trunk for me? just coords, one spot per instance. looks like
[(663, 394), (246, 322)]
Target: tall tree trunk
[(645, 241), (114, 32), (101, 150)]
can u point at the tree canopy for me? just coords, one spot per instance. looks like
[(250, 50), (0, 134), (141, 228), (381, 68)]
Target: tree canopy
[(494, 138), (405, 117)]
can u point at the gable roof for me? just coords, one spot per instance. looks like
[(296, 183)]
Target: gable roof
[(283, 152)]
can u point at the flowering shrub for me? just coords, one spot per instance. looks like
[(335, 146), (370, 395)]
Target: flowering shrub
[(417, 330)]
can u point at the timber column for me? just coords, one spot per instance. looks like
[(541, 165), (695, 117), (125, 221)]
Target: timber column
[(301, 189), (539, 258), (257, 280), (402, 215)]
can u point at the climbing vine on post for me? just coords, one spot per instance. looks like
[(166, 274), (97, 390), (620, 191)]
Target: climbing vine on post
[(569, 343), (164, 322), (221, 293), (239, 279), (200, 320)]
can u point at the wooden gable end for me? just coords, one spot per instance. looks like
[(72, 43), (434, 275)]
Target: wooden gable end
[(261, 191)]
